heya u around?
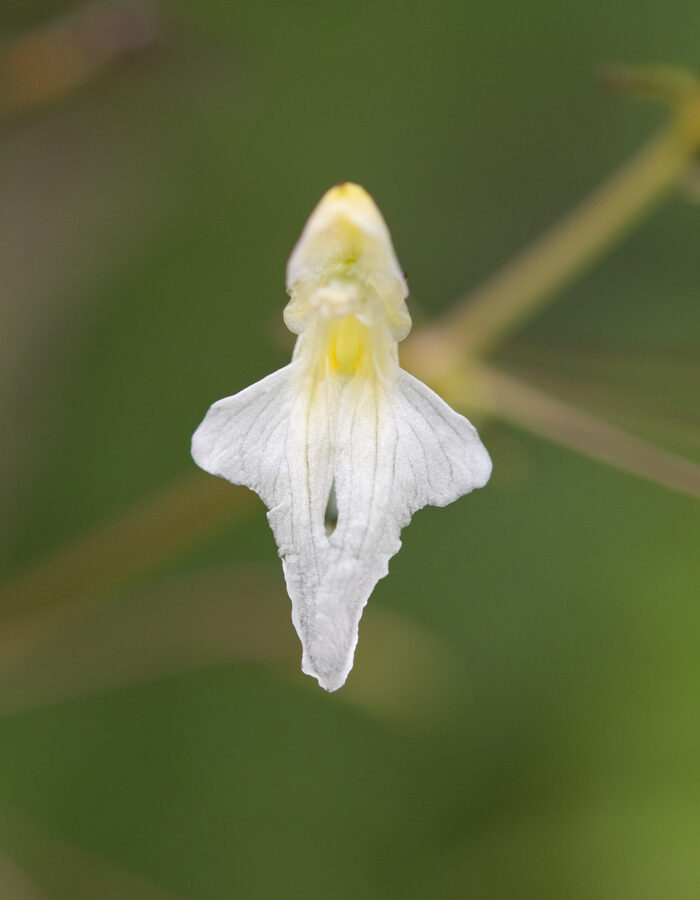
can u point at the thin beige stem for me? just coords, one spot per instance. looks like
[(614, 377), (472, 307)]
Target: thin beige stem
[(138, 540), (224, 616), (67, 868), (538, 412), (42, 65), (532, 279), (15, 883)]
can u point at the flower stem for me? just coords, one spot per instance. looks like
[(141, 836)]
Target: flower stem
[(525, 285), (153, 531), (536, 411)]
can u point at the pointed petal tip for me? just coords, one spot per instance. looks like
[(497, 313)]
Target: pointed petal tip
[(330, 685), (200, 448), (329, 681), (484, 468), (330, 678)]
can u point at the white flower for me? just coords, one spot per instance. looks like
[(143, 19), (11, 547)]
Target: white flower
[(341, 445)]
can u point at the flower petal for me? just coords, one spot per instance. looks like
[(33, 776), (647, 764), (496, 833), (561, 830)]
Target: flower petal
[(258, 438), (398, 447), (385, 447)]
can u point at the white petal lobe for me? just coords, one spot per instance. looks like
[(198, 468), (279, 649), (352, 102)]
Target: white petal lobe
[(388, 447)]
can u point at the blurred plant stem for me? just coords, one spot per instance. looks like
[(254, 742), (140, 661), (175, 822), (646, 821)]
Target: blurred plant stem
[(538, 412), (138, 540), (50, 62), (447, 355), (216, 617), (64, 867), (15, 883), (476, 325), (534, 278)]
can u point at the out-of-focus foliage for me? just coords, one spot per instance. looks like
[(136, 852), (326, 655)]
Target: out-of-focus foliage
[(522, 717)]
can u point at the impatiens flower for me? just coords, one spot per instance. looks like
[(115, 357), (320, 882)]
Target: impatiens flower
[(341, 445)]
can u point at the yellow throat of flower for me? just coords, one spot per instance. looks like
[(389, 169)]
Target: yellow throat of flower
[(346, 346)]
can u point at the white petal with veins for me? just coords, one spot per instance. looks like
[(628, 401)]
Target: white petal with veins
[(342, 421)]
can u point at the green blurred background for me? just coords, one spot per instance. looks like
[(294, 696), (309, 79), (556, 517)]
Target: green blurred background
[(523, 717)]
